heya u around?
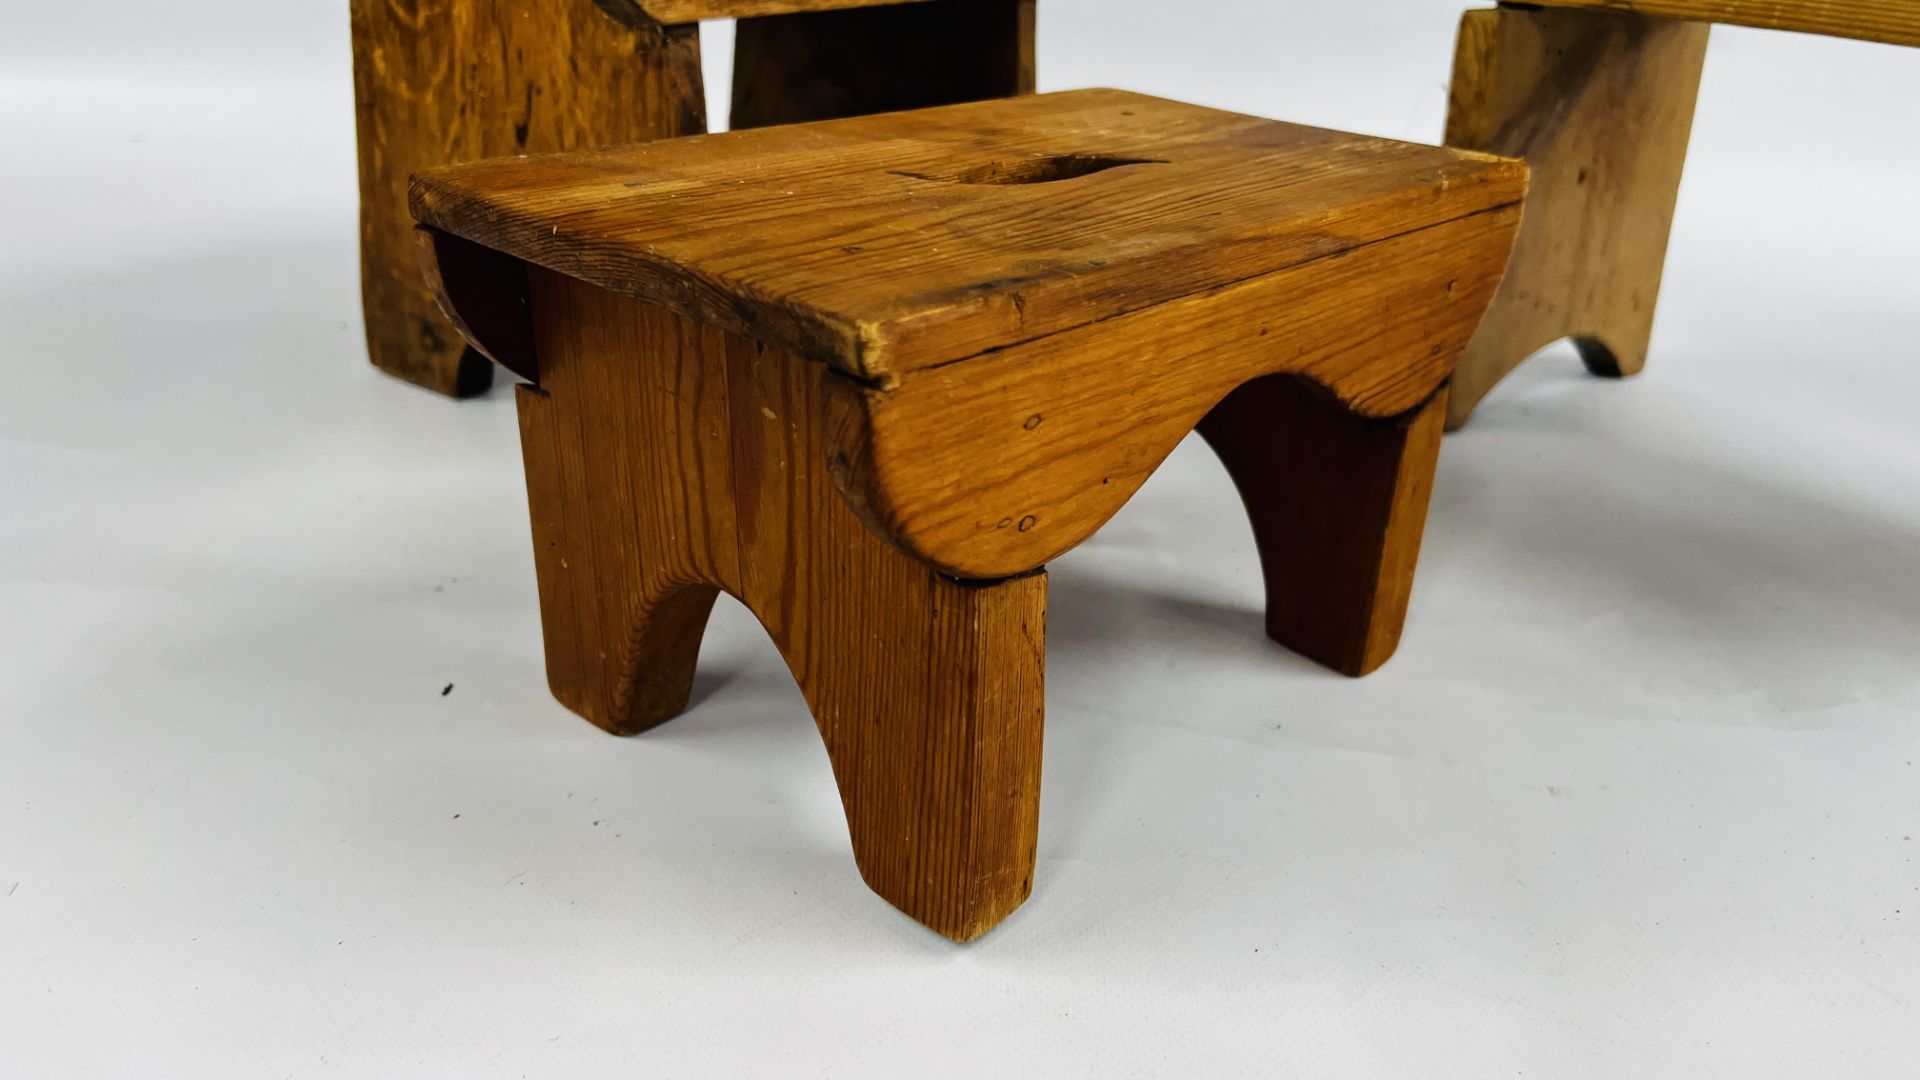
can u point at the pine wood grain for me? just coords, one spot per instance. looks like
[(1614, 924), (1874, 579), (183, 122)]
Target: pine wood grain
[(439, 83), (887, 245), (822, 65), (654, 486), (1601, 107), (1895, 22), (1006, 461)]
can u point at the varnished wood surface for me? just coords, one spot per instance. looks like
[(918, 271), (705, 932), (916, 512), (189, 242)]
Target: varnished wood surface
[(1339, 509), (450, 82), (1601, 107), (890, 244), (1895, 22), (1003, 463), (653, 486), (789, 69)]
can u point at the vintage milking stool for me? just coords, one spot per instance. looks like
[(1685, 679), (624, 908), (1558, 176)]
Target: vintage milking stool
[(1598, 96), (444, 81), (870, 375)]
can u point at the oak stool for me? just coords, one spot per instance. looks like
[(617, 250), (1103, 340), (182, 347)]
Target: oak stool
[(1598, 96), (870, 375), (444, 81)]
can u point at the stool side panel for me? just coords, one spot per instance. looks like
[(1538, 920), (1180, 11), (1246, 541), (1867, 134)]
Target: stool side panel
[(1001, 464)]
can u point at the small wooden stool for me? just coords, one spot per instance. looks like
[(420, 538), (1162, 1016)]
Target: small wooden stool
[(870, 375), (1598, 96), (461, 80)]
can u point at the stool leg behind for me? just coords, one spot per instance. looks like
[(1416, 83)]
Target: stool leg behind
[(1600, 105), (667, 461), (1339, 506)]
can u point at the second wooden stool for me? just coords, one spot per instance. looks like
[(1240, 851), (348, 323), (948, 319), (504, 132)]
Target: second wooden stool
[(460, 80), (870, 375), (1598, 96)]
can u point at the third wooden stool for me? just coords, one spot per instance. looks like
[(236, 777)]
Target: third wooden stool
[(1598, 96), (870, 375)]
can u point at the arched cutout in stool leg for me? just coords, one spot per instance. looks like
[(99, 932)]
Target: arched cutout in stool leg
[(1339, 505)]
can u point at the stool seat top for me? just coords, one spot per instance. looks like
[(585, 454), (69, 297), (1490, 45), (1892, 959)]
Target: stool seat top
[(883, 245)]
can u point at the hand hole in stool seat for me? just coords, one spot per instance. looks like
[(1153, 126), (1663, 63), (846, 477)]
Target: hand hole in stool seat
[(1040, 170)]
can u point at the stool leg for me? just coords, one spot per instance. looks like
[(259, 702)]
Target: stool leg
[(928, 691), (622, 634), (1601, 106), (1339, 504)]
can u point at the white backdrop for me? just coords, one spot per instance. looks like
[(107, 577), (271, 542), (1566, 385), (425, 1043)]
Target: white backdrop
[(1637, 798)]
